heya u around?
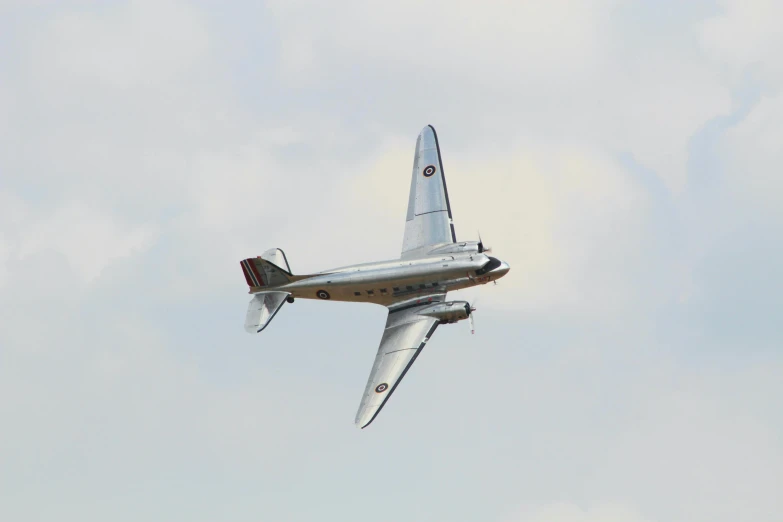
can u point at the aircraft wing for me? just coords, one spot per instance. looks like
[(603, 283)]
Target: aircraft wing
[(403, 339), (429, 213)]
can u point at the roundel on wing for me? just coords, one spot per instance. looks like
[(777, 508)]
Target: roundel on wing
[(381, 388), (323, 294), (429, 170)]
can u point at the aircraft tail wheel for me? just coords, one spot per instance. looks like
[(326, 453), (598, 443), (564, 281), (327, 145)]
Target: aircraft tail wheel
[(290, 299)]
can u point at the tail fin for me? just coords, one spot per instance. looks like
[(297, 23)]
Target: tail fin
[(262, 308), (270, 269)]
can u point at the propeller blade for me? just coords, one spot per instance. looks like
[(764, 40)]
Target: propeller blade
[(472, 308), (481, 247)]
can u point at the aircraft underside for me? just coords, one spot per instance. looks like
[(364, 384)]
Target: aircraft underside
[(413, 287)]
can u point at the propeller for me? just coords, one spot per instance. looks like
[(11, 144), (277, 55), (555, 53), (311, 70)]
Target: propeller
[(470, 309), (481, 247)]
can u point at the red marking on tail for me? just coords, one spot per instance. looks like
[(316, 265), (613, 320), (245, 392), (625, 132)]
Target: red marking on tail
[(255, 272), (247, 275), (252, 276)]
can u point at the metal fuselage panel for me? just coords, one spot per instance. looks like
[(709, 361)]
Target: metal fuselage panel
[(386, 282)]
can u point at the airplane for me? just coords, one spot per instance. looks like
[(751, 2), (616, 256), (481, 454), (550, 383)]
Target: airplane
[(412, 287)]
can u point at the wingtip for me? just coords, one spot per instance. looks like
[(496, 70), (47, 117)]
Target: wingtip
[(428, 128), (365, 418), (363, 423), (429, 133)]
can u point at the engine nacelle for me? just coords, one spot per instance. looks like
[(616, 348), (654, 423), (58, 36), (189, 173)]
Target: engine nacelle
[(450, 312)]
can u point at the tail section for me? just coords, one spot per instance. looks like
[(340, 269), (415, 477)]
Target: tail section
[(270, 269), (265, 275)]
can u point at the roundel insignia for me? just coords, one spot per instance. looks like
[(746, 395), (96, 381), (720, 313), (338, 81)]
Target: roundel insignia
[(381, 387), (429, 170), (323, 294)]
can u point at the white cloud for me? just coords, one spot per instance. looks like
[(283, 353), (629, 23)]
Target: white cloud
[(547, 37), (559, 70), (120, 116), (698, 436), (752, 150), (129, 47), (89, 239), (745, 37)]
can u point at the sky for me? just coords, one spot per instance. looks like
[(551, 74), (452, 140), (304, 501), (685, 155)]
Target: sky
[(623, 156)]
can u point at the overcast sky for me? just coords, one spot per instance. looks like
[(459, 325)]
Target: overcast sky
[(623, 156)]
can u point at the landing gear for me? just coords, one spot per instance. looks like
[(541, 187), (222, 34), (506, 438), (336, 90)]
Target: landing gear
[(290, 299)]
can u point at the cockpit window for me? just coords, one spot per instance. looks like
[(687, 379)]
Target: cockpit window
[(491, 265)]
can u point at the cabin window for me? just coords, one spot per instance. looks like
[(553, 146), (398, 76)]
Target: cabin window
[(357, 293), (422, 286), (383, 291), (409, 287), (434, 284), (370, 292), (396, 288)]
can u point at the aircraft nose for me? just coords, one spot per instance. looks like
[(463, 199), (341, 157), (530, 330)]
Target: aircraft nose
[(502, 269)]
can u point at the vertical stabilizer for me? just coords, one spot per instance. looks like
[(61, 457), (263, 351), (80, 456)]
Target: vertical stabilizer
[(270, 269)]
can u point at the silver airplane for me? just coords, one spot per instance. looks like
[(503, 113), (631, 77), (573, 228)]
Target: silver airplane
[(412, 287)]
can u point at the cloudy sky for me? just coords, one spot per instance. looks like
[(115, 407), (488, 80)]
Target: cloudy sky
[(623, 156)]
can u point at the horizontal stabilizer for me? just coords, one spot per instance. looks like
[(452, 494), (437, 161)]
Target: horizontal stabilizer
[(262, 308), (276, 256)]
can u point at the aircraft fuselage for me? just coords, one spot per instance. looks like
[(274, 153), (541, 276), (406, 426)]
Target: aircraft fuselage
[(384, 282)]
